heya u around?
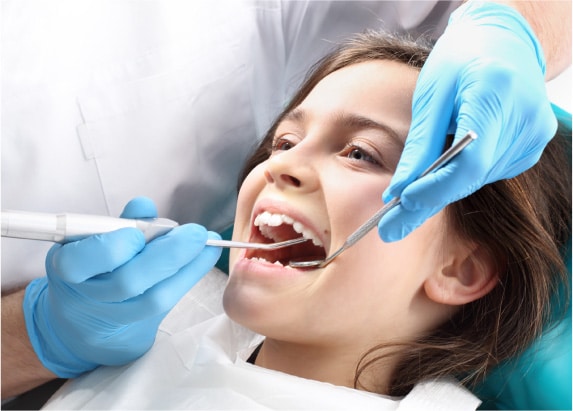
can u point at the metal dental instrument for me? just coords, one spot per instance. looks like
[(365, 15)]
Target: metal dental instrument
[(373, 221), (260, 246), (62, 228)]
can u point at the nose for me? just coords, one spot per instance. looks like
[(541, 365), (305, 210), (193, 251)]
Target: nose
[(292, 169)]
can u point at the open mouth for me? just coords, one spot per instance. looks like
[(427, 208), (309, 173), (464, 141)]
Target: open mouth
[(270, 228)]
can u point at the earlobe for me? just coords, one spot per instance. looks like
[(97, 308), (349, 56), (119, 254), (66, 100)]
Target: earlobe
[(467, 277)]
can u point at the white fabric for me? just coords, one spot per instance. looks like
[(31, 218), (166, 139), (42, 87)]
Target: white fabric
[(199, 362), (105, 100)]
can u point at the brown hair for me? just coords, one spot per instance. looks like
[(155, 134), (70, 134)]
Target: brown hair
[(522, 223)]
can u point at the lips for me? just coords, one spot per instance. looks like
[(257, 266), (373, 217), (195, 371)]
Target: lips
[(273, 227)]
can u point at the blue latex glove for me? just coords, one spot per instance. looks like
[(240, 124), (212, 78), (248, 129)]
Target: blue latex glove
[(104, 296), (486, 74)]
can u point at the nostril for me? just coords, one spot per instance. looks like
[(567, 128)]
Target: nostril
[(291, 180), (269, 177)]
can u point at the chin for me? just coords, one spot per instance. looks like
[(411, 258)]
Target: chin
[(249, 307), (239, 304)]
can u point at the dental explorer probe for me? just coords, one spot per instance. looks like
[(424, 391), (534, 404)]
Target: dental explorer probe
[(375, 219), (63, 228)]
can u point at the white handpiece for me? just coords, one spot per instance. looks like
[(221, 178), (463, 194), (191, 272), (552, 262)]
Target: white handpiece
[(62, 228)]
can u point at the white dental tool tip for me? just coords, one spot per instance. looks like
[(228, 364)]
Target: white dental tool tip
[(260, 246)]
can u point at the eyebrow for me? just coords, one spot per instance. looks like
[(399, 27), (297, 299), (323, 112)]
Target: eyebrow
[(352, 121)]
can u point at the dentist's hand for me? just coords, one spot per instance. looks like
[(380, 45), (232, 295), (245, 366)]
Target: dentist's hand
[(104, 296), (486, 74)]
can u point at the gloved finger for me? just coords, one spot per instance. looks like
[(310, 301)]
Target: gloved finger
[(77, 261), (163, 296), (428, 195), (460, 177), (160, 259), (139, 207), (117, 352), (432, 108), (399, 222)]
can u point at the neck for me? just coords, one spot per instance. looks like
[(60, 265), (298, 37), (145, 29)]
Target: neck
[(316, 363)]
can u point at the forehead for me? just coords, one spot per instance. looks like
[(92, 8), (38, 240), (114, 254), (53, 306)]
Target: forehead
[(378, 89)]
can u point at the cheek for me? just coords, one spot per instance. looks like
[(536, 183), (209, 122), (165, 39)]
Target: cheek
[(383, 272), (351, 204), (421, 254)]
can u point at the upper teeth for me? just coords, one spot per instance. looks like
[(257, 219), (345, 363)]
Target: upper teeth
[(266, 220)]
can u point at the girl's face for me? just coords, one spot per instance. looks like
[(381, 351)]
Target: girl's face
[(333, 156)]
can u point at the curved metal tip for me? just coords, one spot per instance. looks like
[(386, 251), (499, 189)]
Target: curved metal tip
[(305, 264)]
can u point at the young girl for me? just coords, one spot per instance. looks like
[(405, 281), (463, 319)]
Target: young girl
[(385, 324)]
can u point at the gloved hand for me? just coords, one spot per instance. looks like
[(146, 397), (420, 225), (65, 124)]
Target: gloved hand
[(104, 296), (486, 74)]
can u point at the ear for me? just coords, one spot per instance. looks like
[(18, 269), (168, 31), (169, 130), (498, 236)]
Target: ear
[(469, 274)]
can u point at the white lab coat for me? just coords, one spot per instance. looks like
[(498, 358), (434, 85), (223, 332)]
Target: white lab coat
[(199, 362), (105, 100)]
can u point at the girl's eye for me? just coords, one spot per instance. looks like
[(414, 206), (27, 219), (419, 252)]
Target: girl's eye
[(282, 144), (359, 154)]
